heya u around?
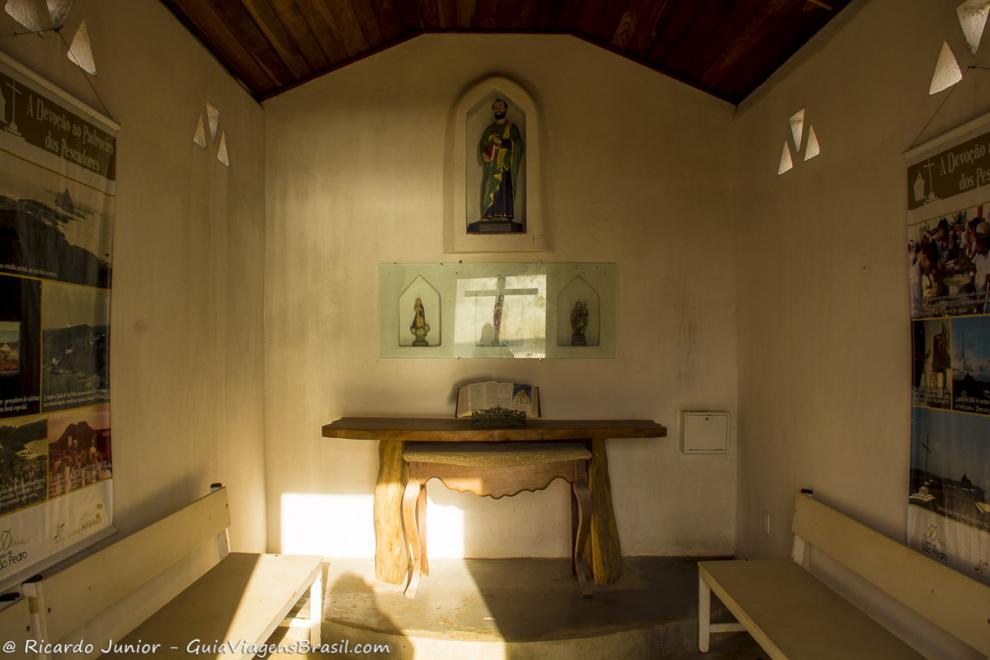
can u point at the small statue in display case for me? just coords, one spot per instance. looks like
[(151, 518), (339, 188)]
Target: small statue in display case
[(419, 327), (579, 323)]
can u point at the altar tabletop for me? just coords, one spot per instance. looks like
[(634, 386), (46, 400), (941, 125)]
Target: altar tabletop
[(391, 559), (416, 429)]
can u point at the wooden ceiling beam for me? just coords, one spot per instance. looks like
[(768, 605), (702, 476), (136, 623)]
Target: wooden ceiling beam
[(348, 28), (388, 19), (609, 17), (367, 21), (239, 21), (485, 17), (547, 15), (723, 47), (277, 36), (759, 27), (637, 27), (409, 15), (429, 14), (587, 18), (466, 14), (507, 15), (792, 31), (320, 21), (711, 34), (302, 33), (447, 14), (200, 18), (529, 14), (568, 16)]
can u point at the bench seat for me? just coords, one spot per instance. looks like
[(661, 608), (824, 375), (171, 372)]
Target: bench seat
[(242, 596), (792, 614)]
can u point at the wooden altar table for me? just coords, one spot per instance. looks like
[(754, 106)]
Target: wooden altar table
[(391, 560)]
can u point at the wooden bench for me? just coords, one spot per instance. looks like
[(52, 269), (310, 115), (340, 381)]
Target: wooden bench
[(494, 470), (242, 599), (792, 614)]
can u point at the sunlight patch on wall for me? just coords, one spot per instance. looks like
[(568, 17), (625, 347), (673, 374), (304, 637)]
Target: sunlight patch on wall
[(343, 526), (328, 525), (973, 19), (947, 71), (445, 531)]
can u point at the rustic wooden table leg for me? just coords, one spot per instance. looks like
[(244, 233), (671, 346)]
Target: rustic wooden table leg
[(603, 551), (391, 558)]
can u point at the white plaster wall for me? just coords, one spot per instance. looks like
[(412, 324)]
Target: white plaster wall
[(823, 324), (186, 344), (637, 172)]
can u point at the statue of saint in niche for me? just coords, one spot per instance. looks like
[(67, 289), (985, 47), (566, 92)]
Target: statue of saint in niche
[(419, 327), (579, 323), (501, 150)]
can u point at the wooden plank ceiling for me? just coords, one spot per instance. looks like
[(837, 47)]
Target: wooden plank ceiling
[(724, 47)]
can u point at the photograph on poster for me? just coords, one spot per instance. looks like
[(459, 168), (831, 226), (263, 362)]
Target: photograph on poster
[(931, 370), (77, 343), (10, 348), (52, 226), (948, 264), (23, 455), (78, 449), (950, 465), (20, 346), (971, 364)]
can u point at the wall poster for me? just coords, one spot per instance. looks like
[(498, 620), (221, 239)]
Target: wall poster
[(57, 188), (949, 285)]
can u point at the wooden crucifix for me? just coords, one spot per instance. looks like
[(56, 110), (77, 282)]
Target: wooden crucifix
[(499, 294)]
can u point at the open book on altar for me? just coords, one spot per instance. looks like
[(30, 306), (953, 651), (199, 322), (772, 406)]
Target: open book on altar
[(490, 394)]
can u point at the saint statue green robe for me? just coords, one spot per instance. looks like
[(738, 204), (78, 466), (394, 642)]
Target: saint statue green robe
[(501, 152)]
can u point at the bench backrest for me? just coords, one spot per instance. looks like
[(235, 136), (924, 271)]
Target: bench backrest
[(947, 598), (79, 592)]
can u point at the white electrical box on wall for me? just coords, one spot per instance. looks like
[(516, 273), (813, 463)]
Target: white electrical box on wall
[(704, 432)]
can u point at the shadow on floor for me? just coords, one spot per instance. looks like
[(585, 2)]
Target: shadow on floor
[(378, 636), (516, 609)]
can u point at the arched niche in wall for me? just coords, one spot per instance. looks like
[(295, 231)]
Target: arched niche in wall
[(464, 165)]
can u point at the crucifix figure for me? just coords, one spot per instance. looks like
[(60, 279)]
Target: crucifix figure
[(499, 294), (12, 124)]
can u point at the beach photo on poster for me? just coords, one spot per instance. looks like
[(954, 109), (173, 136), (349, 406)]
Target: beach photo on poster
[(53, 227)]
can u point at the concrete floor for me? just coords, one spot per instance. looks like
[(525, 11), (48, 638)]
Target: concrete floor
[(524, 608)]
